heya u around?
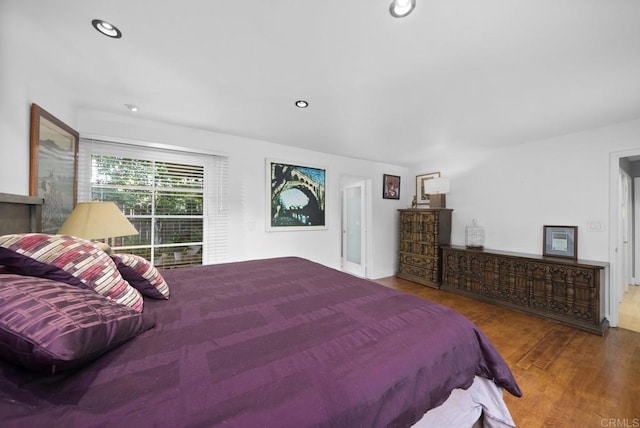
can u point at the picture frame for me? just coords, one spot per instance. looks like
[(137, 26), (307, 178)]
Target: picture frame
[(421, 197), (560, 241), (53, 167), (296, 196), (390, 186)]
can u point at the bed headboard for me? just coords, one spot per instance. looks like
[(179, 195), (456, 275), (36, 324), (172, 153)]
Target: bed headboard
[(20, 213)]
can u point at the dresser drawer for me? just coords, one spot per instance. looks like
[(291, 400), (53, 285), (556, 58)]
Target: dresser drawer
[(422, 275), (418, 261), (428, 237), (420, 217), (419, 248)]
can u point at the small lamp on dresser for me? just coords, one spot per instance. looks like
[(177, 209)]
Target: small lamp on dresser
[(436, 188), (97, 220)]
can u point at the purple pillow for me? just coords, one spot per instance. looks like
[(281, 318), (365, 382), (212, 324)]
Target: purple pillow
[(142, 275), (70, 260), (49, 326)]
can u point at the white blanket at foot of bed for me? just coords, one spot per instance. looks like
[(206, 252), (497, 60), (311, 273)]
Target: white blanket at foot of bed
[(463, 408)]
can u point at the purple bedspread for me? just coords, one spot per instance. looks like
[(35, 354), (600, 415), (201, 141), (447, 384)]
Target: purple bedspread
[(275, 343)]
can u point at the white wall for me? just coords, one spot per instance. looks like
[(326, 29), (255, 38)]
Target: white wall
[(247, 173), (25, 80), (514, 191), (247, 159)]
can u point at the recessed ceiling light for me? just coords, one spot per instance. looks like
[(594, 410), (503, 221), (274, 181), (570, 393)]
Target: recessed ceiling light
[(132, 107), (302, 104), (401, 8), (107, 29)]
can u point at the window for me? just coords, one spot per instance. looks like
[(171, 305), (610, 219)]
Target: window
[(176, 200)]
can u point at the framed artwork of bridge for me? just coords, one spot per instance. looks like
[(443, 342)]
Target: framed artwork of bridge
[(296, 196)]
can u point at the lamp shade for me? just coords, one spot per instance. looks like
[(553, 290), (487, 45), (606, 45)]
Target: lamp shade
[(436, 186), (97, 220)]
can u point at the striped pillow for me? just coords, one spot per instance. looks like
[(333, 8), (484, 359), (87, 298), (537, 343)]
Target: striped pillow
[(70, 260), (142, 275)]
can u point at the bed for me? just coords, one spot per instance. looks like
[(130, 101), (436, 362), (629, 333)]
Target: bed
[(277, 342)]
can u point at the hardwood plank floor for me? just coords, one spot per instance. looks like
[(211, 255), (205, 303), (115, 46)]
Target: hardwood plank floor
[(569, 378), (630, 309)]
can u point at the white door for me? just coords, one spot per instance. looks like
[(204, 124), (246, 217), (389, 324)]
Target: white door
[(354, 231)]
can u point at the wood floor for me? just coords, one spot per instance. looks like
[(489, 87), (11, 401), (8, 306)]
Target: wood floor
[(630, 309), (569, 378)]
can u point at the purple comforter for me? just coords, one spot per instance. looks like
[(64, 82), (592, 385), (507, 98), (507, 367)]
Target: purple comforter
[(275, 343)]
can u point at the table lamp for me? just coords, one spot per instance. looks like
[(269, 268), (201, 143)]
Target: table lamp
[(436, 189), (97, 220)]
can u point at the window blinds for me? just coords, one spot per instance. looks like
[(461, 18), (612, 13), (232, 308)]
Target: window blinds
[(174, 198)]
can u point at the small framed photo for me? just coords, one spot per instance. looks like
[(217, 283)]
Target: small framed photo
[(560, 241), (421, 197), (390, 186)]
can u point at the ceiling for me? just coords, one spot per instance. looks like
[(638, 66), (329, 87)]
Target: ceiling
[(455, 73)]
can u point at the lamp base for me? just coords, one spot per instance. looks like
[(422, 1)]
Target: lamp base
[(438, 201)]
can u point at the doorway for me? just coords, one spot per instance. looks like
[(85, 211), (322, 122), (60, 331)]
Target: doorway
[(629, 231), (624, 230), (354, 228), (623, 205)]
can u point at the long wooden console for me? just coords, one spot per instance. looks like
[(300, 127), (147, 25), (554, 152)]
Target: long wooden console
[(563, 290)]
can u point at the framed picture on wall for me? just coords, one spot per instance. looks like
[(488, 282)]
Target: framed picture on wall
[(296, 196), (390, 186), (53, 167), (421, 197), (560, 241)]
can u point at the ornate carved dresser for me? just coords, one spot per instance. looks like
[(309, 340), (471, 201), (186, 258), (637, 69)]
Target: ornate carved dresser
[(422, 233), (563, 290)]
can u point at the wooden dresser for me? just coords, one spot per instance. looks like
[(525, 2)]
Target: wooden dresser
[(422, 233), (564, 290)]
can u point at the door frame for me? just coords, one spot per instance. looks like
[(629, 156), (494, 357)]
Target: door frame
[(615, 285), (625, 233), (636, 230)]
